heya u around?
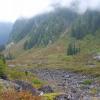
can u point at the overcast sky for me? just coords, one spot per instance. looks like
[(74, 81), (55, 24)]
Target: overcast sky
[(10, 10)]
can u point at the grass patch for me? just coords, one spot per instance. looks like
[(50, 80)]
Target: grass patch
[(36, 81), (50, 96), (87, 82), (21, 75), (93, 91)]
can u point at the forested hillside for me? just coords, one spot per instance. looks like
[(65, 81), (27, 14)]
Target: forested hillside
[(48, 28), (42, 29), (88, 23)]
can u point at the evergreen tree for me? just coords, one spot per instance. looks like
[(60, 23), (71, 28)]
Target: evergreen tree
[(2, 67), (72, 49)]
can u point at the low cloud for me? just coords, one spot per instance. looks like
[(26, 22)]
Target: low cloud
[(78, 5)]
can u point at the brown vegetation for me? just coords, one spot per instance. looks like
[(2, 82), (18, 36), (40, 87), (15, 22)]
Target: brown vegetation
[(24, 95)]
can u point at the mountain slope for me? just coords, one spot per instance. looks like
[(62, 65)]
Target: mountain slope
[(5, 29), (83, 32), (88, 23), (49, 27), (43, 29)]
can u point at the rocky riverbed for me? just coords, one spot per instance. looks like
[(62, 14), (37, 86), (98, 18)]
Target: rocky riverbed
[(74, 85)]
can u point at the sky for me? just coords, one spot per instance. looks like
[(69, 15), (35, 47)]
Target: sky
[(10, 10)]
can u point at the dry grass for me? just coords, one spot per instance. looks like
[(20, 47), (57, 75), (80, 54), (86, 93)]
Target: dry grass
[(24, 95)]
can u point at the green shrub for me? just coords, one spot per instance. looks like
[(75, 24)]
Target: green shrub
[(36, 81), (2, 68), (87, 82)]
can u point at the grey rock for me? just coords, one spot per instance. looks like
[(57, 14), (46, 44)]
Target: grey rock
[(46, 89)]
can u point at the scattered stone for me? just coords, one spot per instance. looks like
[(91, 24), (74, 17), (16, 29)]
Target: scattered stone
[(68, 82)]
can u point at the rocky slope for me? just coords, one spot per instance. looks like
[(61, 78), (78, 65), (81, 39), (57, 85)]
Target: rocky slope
[(72, 84)]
